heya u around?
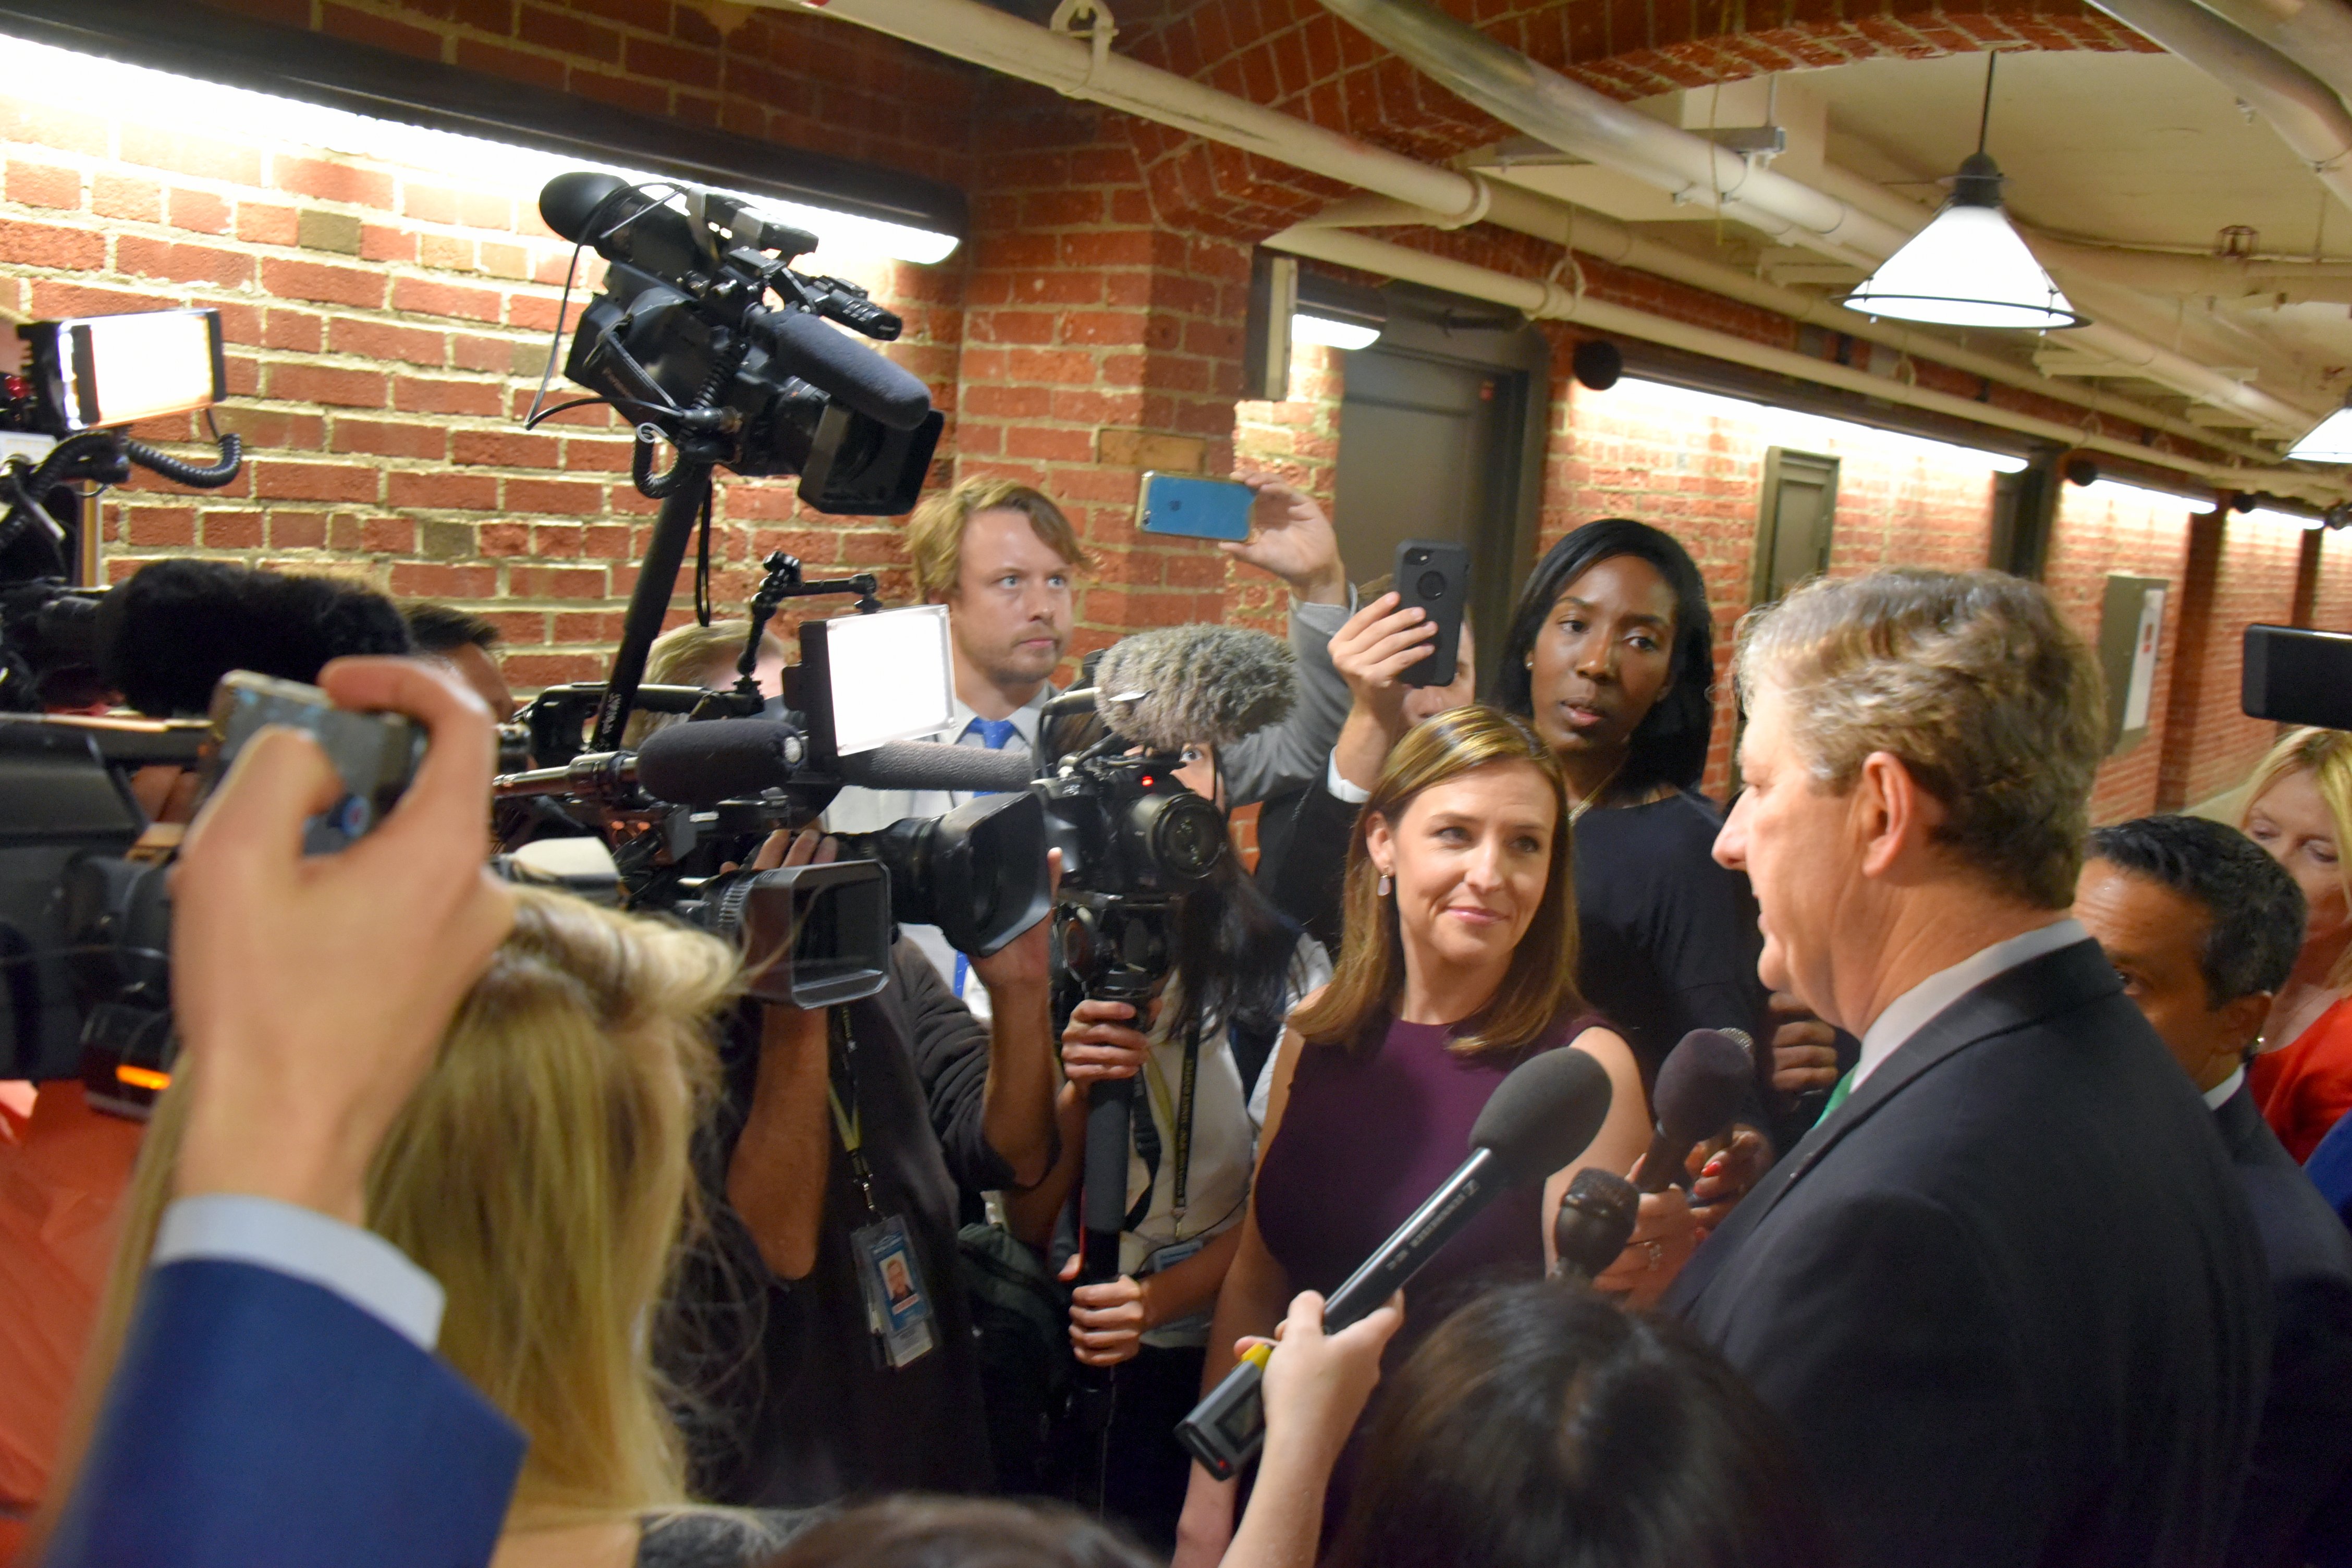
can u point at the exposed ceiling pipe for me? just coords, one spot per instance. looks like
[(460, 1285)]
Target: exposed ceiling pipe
[(2220, 278), (1086, 68), (2308, 117), (2314, 34), (1594, 234), (1573, 118), (1550, 301)]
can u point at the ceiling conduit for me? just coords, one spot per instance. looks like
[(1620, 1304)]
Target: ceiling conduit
[(1548, 301), (1423, 193), (2316, 34)]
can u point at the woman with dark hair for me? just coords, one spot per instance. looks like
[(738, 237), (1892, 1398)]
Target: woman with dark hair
[(1539, 1426), (1237, 966), (1458, 965)]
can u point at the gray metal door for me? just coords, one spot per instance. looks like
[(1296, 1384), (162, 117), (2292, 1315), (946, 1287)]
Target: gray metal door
[(1792, 536), (1429, 448)]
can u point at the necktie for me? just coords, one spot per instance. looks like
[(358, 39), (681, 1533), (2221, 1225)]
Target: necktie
[(1837, 1096), (993, 732)]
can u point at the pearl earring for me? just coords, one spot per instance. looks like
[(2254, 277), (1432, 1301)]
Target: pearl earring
[(1385, 885)]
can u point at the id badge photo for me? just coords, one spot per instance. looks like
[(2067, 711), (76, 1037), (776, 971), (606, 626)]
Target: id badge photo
[(898, 1304)]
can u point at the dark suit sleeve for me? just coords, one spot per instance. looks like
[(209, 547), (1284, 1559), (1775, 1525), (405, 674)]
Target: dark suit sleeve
[(1886, 1304), (258, 1418), (2298, 1496), (950, 1047)]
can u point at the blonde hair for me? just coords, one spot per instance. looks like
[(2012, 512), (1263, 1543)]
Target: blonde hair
[(2326, 756), (540, 1173), (1539, 987), (682, 655), (935, 533), (1973, 680)]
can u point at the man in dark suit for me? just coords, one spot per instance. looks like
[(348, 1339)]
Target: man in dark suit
[(2006, 1292), (278, 1400), (2203, 927)]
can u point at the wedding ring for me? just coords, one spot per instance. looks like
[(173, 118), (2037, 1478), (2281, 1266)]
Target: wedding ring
[(1657, 1253)]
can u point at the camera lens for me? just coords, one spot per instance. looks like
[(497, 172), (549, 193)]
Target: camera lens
[(1182, 835), (1432, 585)]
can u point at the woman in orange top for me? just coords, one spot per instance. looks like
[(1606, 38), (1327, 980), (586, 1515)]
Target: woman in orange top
[(2299, 807)]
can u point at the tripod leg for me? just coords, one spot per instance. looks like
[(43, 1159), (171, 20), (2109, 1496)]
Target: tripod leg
[(673, 529)]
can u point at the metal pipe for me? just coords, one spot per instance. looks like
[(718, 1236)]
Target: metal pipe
[(2316, 34), (1550, 301)]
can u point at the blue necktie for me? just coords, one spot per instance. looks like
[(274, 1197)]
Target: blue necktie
[(993, 734)]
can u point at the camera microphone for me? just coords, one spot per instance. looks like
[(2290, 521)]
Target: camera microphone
[(834, 363), (1700, 1087), (1169, 688), (704, 762), (1596, 1218), (1537, 1120)]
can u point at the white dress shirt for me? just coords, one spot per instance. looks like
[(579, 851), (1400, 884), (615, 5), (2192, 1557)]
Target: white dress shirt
[(1911, 1011), (358, 1265), (2218, 1095)]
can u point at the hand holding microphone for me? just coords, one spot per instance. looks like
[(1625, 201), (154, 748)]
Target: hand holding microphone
[(1700, 1089)]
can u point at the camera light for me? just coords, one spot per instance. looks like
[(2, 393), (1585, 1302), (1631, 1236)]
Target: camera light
[(119, 370), (891, 677)]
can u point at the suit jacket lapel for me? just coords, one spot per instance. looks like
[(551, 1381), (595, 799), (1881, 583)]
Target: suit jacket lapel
[(2033, 990)]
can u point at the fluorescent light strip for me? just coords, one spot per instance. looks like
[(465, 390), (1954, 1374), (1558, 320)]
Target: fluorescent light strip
[(78, 81), (1789, 427), (2284, 519), (1308, 328), (2117, 490)]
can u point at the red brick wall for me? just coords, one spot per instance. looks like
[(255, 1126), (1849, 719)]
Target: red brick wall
[(2332, 606), (2108, 530), (2213, 744)]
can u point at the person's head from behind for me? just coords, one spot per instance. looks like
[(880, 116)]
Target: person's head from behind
[(1611, 654), (1919, 750), (1460, 860), (1003, 559), (1541, 1427), (959, 1532), (539, 1173), (2299, 809), (707, 657), (468, 645), (2201, 927)]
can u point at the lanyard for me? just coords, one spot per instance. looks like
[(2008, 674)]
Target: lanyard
[(849, 1121), (1180, 1117)]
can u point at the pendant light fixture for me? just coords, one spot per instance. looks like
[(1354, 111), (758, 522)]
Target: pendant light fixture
[(1967, 268), (2329, 441)]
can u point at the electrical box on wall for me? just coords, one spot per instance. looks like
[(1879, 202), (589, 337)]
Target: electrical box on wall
[(1265, 332), (2131, 630)]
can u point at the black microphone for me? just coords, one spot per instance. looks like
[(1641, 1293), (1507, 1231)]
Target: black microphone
[(711, 760), (861, 380), (1595, 1220), (1701, 1087), (1537, 1120)]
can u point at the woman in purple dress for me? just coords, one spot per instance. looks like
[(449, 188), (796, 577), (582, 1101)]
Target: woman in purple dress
[(1459, 962)]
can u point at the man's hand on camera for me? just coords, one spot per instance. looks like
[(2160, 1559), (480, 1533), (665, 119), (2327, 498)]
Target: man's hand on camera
[(310, 993), (1292, 538), (1026, 963)]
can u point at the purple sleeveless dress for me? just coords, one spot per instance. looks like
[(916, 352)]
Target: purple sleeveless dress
[(1366, 1135)]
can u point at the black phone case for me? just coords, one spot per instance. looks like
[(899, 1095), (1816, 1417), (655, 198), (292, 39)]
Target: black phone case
[(1435, 576)]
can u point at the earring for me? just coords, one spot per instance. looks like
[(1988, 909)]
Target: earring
[(1385, 885)]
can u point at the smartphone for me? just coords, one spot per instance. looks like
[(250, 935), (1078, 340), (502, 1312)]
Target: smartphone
[(1196, 508), (376, 754), (1435, 576)]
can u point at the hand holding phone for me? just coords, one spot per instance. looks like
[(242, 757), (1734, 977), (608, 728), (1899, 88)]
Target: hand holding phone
[(1435, 577)]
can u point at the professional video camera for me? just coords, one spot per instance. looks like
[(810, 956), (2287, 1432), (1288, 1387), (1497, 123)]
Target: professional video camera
[(2297, 676)]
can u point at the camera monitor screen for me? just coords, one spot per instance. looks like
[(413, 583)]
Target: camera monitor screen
[(100, 371), (891, 678)]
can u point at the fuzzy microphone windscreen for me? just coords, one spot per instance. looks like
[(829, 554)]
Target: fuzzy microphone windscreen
[(1165, 690), (170, 632)]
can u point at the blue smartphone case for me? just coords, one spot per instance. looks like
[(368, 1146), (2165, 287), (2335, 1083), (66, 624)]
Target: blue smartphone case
[(1197, 509)]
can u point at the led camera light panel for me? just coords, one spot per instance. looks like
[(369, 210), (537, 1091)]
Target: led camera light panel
[(101, 371), (891, 678)]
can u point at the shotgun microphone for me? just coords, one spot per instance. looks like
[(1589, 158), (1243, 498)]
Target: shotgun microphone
[(1537, 1120), (1701, 1086)]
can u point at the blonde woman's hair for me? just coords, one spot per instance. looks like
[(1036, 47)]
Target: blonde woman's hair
[(1974, 681), (540, 1173), (682, 655), (935, 533), (1539, 988), (2326, 756)]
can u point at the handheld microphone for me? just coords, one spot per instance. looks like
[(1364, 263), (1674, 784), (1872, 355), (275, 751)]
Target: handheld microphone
[(1167, 689), (1537, 1120), (1700, 1089), (712, 759), (1596, 1218)]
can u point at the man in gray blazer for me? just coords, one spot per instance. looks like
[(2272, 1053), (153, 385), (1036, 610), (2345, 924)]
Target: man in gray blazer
[(2006, 1293)]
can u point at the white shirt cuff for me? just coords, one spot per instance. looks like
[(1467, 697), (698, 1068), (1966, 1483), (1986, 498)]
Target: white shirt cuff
[(1340, 788), (358, 1265)]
